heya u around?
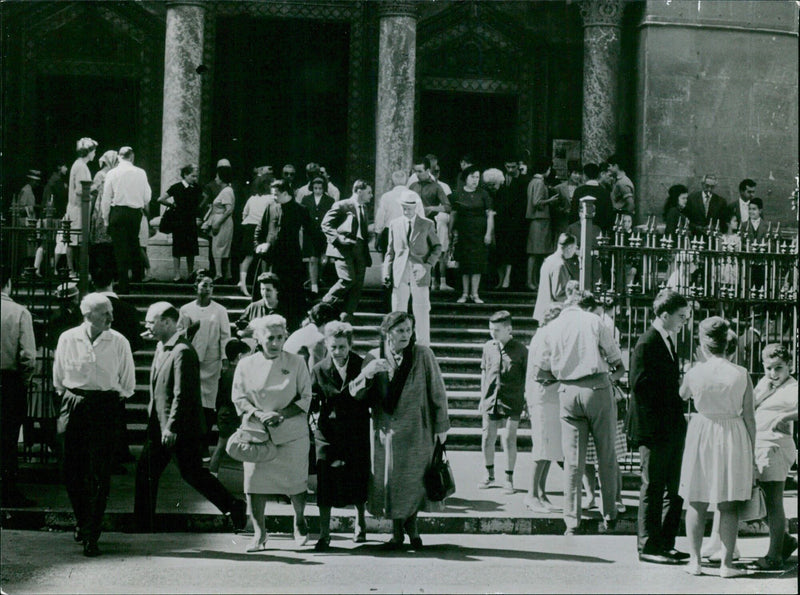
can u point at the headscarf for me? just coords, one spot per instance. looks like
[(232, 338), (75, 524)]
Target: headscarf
[(109, 158), (392, 392)]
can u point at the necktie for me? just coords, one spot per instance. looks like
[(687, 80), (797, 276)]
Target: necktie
[(408, 230), (672, 348), (706, 200), (361, 223)]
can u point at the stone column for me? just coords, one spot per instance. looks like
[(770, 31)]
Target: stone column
[(602, 24), (183, 53), (396, 75)]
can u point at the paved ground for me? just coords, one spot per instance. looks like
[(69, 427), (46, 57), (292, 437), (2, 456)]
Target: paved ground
[(469, 510), (48, 562)]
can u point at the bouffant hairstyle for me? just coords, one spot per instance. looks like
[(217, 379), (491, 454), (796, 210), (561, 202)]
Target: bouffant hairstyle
[(714, 335)]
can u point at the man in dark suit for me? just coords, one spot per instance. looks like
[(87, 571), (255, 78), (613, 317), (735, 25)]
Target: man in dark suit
[(127, 323), (704, 207), (656, 426), (604, 211), (176, 423), (345, 226)]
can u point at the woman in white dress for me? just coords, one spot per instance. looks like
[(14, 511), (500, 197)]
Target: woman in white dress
[(79, 172), (213, 332), (718, 458), (543, 407), (273, 388)]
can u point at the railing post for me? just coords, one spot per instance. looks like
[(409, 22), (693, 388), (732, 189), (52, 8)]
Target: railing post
[(587, 242), (86, 211)]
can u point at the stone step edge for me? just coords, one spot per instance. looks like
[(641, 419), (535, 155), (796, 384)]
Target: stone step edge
[(429, 523)]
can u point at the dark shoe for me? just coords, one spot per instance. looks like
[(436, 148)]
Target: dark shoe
[(392, 545), (416, 543), (360, 537), (657, 558), (676, 555), (90, 549), (766, 563), (238, 514), (789, 546), (607, 526), (323, 544)]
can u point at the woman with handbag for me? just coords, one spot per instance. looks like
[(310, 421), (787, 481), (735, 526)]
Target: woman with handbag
[(342, 433), (409, 413), (220, 223), (718, 457), (274, 388), (180, 220)]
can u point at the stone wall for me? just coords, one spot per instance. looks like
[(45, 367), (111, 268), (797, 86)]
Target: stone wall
[(717, 93)]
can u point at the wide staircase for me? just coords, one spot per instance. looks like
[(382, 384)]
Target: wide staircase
[(458, 332)]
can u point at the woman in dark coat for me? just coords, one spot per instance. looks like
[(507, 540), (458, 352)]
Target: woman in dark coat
[(675, 208), (282, 254), (342, 433), (183, 197)]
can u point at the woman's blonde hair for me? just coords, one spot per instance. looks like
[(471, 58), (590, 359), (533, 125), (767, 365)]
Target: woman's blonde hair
[(261, 325)]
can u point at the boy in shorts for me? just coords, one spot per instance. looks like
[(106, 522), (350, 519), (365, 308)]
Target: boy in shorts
[(503, 367)]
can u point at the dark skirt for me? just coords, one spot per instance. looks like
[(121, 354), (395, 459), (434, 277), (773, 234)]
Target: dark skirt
[(184, 238), (344, 485), (247, 234)]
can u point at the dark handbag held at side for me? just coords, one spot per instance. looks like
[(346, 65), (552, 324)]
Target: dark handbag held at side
[(439, 481), (167, 224)]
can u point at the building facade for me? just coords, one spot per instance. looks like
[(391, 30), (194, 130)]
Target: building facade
[(677, 88)]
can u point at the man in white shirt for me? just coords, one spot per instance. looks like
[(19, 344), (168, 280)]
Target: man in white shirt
[(747, 192), (412, 251), (126, 194), (389, 208), (92, 368), (17, 366)]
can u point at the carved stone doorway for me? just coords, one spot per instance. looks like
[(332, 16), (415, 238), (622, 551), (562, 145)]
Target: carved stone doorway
[(453, 123), (71, 107)]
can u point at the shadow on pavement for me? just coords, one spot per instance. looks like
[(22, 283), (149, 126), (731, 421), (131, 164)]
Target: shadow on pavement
[(458, 553), (265, 556), (462, 505)]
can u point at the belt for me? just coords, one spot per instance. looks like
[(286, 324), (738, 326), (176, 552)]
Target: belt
[(719, 416), (82, 392), (592, 379)]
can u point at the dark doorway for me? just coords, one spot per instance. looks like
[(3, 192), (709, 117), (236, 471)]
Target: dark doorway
[(455, 123), (71, 107), (280, 94)]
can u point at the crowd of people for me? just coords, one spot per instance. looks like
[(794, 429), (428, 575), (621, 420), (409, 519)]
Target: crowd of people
[(288, 380)]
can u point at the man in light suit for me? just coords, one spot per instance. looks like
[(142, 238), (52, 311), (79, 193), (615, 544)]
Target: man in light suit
[(411, 253), (704, 207), (176, 423), (345, 226)]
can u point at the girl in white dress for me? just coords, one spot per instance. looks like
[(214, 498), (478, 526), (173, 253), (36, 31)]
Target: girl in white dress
[(718, 458)]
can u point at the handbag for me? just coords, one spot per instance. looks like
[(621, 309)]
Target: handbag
[(755, 508), (251, 446), (439, 481), (168, 221)]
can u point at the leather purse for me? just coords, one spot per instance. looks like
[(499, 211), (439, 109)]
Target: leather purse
[(439, 481), (755, 508), (249, 445)]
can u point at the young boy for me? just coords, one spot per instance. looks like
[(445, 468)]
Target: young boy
[(503, 367)]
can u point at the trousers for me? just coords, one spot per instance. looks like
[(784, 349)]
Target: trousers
[(86, 429), (188, 455), (421, 305), (587, 405), (123, 227), (350, 270), (659, 503), (13, 409)]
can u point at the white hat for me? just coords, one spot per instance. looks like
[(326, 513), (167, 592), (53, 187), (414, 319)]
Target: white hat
[(408, 198), (86, 143)]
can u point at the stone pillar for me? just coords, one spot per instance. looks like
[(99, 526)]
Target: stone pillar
[(183, 53), (396, 76), (602, 24)]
